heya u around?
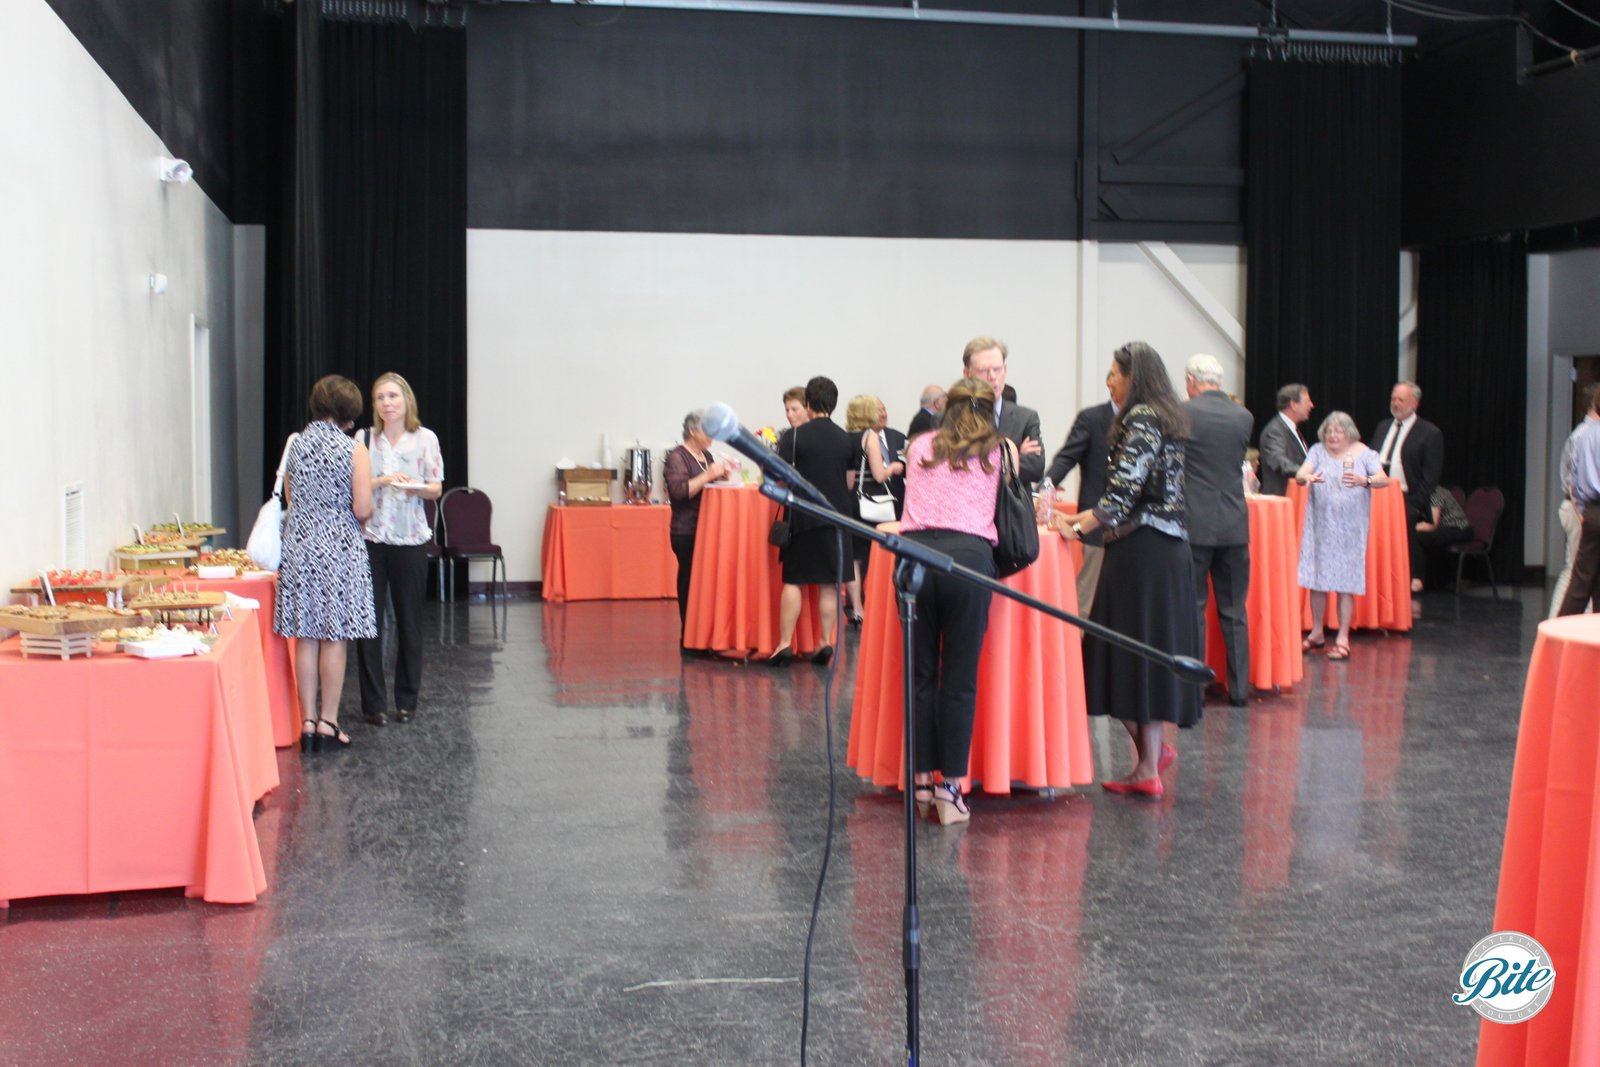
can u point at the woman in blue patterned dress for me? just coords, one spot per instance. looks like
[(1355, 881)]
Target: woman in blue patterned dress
[(1333, 546), (324, 581)]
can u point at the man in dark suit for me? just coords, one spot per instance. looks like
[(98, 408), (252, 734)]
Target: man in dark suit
[(1420, 447), (1283, 450), (985, 358), (1219, 525), (1088, 447), (927, 417)]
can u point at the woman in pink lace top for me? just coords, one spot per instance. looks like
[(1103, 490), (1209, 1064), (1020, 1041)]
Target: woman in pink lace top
[(952, 481)]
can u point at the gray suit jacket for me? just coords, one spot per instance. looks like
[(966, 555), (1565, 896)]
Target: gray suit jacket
[(1280, 456), (1213, 482), (1017, 422)]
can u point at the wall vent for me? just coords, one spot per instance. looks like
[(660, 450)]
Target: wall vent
[(74, 548)]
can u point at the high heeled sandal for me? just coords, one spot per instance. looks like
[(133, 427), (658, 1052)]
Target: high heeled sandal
[(338, 738), (922, 793), (308, 738), (950, 804)]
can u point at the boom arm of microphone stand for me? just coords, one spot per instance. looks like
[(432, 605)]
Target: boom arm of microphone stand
[(1186, 667)]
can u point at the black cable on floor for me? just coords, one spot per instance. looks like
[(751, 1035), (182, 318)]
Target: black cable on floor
[(827, 844)]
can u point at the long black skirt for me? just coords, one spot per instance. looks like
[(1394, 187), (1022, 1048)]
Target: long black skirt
[(1146, 592)]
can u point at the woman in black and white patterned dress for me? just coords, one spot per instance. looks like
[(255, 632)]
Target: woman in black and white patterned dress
[(324, 581)]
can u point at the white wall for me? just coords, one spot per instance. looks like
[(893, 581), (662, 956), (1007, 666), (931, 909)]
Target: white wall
[(95, 369), (575, 335)]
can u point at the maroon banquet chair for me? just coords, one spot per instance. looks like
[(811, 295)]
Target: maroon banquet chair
[(435, 553), (467, 515), (1484, 508)]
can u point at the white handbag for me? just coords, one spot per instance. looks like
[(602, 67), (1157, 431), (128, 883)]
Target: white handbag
[(265, 546), (873, 509)]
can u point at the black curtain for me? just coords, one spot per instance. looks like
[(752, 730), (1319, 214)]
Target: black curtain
[(377, 248), (1322, 232), (1472, 364), (295, 353)]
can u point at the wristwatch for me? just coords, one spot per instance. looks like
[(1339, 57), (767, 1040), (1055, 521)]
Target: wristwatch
[(1077, 529)]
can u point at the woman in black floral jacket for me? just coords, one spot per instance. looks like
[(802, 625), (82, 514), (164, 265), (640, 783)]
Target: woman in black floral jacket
[(1148, 577)]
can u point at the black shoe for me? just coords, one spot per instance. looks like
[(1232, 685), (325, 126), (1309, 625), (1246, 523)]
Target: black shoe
[(781, 658), (1239, 702), (403, 714), (376, 718), (822, 656)]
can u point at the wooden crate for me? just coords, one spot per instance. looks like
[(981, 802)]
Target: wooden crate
[(587, 486)]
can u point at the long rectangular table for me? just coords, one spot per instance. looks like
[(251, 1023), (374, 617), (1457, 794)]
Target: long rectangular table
[(277, 653), (608, 553), (122, 774)]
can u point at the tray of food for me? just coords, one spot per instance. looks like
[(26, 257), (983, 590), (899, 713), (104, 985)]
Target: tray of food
[(158, 642), (142, 556), (64, 581), (221, 563), (178, 600), (64, 619), (189, 529)]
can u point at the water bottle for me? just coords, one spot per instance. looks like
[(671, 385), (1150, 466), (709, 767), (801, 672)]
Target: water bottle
[(561, 499), (1252, 484), (1046, 505)]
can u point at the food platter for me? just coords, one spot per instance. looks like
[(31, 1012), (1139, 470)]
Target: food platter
[(66, 619), (65, 582)]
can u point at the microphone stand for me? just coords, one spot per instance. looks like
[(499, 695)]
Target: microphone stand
[(912, 561)]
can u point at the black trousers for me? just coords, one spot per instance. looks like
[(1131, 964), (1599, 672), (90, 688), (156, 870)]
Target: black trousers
[(1228, 567), (947, 640), (1585, 581), (400, 575), (1422, 540), (683, 548)]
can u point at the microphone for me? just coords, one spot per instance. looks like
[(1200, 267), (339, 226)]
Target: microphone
[(720, 423)]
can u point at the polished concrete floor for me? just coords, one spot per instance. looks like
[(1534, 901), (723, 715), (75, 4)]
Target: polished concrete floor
[(586, 851)]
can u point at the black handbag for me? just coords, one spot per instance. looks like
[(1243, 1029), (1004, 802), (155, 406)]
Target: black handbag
[(782, 533), (1014, 521)]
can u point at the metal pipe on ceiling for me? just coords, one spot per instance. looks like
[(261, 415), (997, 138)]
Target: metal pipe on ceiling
[(917, 13)]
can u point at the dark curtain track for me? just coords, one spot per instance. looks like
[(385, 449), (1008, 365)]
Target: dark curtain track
[(1472, 364), (376, 249), (1322, 236)]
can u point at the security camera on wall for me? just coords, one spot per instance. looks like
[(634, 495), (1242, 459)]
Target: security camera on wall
[(175, 170)]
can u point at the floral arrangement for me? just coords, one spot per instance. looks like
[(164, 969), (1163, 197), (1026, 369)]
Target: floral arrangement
[(768, 435)]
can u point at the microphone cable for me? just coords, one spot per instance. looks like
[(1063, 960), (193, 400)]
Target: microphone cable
[(827, 844)]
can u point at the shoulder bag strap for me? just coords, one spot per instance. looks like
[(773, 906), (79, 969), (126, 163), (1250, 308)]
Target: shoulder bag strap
[(283, 462), (861, 473)]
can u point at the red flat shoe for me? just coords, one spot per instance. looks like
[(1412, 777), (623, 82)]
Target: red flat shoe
[(1169, 756), (1150, 787)]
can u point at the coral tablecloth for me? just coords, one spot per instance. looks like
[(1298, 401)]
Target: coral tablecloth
[(1550, 868), (1032, 723), (278, 652), (733, 593), (121, 774), (1387, 603), (608, 553), (1273, 606)]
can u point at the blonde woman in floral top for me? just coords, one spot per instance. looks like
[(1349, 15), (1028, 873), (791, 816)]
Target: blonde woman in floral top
[(406, 470)]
